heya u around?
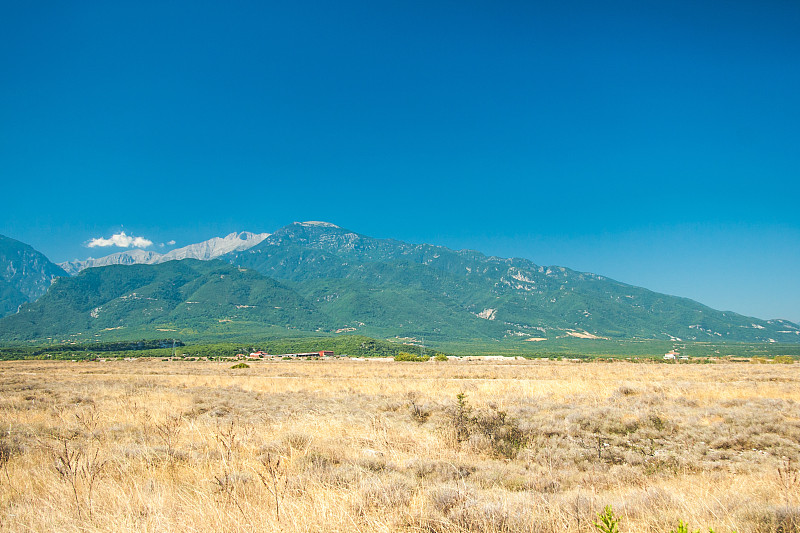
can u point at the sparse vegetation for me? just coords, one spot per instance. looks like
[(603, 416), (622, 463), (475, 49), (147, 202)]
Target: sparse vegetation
[(470, 446)]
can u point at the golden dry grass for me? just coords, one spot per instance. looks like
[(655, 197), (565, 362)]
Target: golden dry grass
[(363, 446)]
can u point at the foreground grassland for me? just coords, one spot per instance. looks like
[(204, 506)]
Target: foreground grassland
[(371, 446)]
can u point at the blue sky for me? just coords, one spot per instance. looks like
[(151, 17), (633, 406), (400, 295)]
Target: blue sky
[(657, 143)]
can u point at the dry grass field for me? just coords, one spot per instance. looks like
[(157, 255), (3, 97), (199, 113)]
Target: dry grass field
[(379, 446)]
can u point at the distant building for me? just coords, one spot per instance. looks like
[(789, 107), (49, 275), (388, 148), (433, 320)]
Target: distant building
[(671, 355), (321, 353)]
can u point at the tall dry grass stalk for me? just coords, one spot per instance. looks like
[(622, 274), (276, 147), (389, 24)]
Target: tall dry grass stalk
[(372, 446)]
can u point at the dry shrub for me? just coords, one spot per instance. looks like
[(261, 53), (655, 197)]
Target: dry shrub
[(443, 498), (642, 503), (490, 516), (10, 445), (342, 476), (420, 412), (434, 470), (777, 519), (383, 493), (297, 441), (627, 390), (487, 430)]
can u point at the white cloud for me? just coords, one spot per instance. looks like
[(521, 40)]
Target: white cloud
[(170, 243), (122, 240)]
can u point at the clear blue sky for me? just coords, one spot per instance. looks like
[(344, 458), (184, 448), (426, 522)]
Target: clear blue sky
[(657, 143)]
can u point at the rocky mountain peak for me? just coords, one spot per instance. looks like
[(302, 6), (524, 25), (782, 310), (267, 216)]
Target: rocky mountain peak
[(206, 250)]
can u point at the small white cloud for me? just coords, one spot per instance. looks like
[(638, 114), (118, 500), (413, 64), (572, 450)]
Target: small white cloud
[(122, 240), (170, 243)]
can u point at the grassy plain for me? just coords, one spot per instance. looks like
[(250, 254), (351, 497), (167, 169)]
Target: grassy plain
[(379, 446)]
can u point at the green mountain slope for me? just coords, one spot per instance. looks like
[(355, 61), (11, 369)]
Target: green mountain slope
[(395, 288), (10, 298), (25, 274), (177, 296)]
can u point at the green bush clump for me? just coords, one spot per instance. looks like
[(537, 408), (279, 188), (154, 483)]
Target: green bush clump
[(405, 356), (240, 365)]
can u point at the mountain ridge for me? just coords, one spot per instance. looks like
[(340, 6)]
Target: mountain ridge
[(516, 292), (204, 251), (386, 288)]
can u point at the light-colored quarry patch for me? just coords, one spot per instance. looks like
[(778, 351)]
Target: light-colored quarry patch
[(488, 314), (584, 335)]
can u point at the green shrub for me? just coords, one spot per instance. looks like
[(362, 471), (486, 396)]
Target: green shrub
[(783, 359), (460, 417), (607, 522), (440, 357), (683, 528), (405, 356), (240, 365)]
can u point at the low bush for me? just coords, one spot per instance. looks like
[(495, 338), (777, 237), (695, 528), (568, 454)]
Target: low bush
[(405, 356)]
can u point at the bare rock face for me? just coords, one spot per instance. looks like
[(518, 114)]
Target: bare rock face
[(206, 250), (216, 247), (128, 257), (25, 274)]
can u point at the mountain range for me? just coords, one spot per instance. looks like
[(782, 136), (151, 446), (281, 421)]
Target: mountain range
[(313, 277), (205, 250)]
